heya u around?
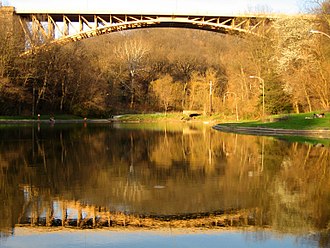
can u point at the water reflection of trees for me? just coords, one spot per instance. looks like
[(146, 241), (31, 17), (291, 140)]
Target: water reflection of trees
[(124, 169)]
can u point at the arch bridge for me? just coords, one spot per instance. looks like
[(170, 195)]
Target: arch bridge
[(52, 27)]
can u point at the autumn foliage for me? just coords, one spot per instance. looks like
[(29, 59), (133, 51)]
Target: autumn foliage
[(171, 70)]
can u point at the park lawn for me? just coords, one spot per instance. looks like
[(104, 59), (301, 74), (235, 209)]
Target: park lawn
[(303, 121), (149, 117), (170, 116), (292, 121)]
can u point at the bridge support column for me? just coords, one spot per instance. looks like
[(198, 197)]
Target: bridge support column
[(10, 29), (65, 26), (51, 29), (7, 18)]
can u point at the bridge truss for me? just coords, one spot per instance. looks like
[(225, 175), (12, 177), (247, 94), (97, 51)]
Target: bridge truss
[(44, 29)]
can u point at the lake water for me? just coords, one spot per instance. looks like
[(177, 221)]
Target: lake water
[(160, 185)]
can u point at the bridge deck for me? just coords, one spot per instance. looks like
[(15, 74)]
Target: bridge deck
[(75, 17), (131, 7), (58, 23)]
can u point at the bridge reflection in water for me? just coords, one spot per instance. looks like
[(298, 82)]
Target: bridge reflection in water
[(152, 176), (75, 214)]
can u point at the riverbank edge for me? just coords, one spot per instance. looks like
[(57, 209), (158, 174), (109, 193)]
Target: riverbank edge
[(28, 121), (262, 131), (110, 120), (30, 230), (320, 133)]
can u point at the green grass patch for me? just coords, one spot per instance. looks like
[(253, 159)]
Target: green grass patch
[(149, 117), (292, 121), (304, 121), (171, 116)]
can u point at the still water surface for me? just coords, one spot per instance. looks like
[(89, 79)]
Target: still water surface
[(249, 191)]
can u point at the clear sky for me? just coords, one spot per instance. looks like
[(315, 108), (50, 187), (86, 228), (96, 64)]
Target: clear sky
[(162, 6)]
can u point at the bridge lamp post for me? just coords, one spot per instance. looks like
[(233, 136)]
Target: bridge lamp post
[(319, 32), (263, 94)]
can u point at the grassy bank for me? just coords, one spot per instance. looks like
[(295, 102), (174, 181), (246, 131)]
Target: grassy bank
[(305, 121), (176, 116), (148, 117)]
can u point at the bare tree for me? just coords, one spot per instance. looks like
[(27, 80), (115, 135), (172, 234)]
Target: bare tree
[(294, 59), (133, 53)]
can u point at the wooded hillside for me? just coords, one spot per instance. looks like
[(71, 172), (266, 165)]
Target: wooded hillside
[(165, 69)]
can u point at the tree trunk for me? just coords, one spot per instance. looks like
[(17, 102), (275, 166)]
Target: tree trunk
[(184, 95), (63, 95), (42, 90), (132, 89), (296, 107), (326, 90), (132, 100), (307, 98)]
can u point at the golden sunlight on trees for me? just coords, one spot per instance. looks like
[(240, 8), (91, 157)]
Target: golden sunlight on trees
[(63, 79), (167, 92), (321, 48), (122, 72), (12, 91), (285, 183), (200, 86), (322, 9), (295, 61), (133, 54)]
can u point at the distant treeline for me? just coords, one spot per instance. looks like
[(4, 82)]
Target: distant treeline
[(285, 69)]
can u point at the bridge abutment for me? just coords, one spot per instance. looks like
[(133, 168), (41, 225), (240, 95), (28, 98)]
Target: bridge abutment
[(7, 23), (10, 29)]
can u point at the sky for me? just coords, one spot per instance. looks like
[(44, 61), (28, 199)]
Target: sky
[(161, 6)]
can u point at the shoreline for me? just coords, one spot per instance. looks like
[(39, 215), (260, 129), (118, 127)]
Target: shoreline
[(73, 121), (111, 120), (320, 133), (262, 131), (31, 230)]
